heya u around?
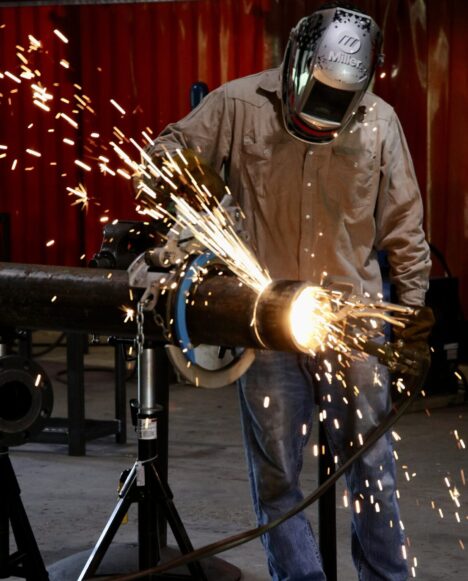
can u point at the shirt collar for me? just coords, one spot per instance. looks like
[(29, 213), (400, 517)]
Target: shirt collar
[(271, 81)]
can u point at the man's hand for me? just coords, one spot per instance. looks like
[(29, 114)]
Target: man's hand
[(203, 174), (415, 335), (192, 176)]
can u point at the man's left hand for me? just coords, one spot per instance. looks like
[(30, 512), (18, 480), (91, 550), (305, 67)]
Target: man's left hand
[(415, 335)]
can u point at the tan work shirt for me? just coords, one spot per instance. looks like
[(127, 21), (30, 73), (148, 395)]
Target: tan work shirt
[(314, 208)]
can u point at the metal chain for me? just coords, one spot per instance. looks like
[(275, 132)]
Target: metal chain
[(159, 320), (140, 320)]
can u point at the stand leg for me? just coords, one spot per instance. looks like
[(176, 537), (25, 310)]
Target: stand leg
[(149, 553), (151, 496), (4, 539), (27, 562), (177, 526), (111, 528)]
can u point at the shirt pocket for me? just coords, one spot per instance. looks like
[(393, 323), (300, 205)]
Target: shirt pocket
[(353, 176), (256, 163)]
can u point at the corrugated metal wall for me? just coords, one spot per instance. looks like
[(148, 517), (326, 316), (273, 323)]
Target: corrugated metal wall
[(146, 56)]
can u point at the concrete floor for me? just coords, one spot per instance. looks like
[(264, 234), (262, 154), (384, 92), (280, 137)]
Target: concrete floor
[(69, 499)]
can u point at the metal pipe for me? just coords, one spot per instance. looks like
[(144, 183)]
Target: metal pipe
[(68, 299), (222, 311)]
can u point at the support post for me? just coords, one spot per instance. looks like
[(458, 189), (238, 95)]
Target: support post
[(75, 393), (120, 392)]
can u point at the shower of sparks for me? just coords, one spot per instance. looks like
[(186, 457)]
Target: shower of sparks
[(34, 44), (41, 105), (60, 35), (118, 107), (129, 313), (81, 196), (460, 442), (215, 233), (40, 93), (12, 77), (33, 153), (68, 119), (212, 226), (83, 165)]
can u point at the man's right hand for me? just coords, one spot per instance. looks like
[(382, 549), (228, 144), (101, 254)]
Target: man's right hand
[(194, 173)]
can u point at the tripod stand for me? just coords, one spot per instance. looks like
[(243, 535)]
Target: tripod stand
[(145, 483), (27, 561)]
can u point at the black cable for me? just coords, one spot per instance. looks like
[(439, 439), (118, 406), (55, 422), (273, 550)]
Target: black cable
[(231, 542), (441, 259)]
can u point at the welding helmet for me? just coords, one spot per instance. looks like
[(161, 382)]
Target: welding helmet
[(329, 62)]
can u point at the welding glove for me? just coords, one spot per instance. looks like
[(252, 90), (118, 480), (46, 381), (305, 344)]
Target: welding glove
[(415, 335), (193, 175)]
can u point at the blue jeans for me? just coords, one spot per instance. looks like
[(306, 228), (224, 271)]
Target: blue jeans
[(275, 433)]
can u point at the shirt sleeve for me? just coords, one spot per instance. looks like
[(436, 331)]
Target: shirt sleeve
[(206, 130), (399, 219)]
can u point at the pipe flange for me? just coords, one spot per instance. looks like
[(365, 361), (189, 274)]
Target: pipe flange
[(26, 399)]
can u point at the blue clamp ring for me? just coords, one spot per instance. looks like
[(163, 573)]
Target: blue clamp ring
[(180, 306)]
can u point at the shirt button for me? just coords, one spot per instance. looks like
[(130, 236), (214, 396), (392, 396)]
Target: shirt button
[(307, 217), (309, 184), (311, 152)]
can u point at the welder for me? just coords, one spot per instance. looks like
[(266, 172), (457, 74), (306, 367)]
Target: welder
[(322, 171)]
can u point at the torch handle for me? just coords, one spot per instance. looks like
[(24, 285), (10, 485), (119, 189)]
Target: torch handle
[(400, 359)]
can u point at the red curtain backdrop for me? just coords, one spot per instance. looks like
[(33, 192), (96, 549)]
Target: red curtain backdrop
[(146, 56)]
